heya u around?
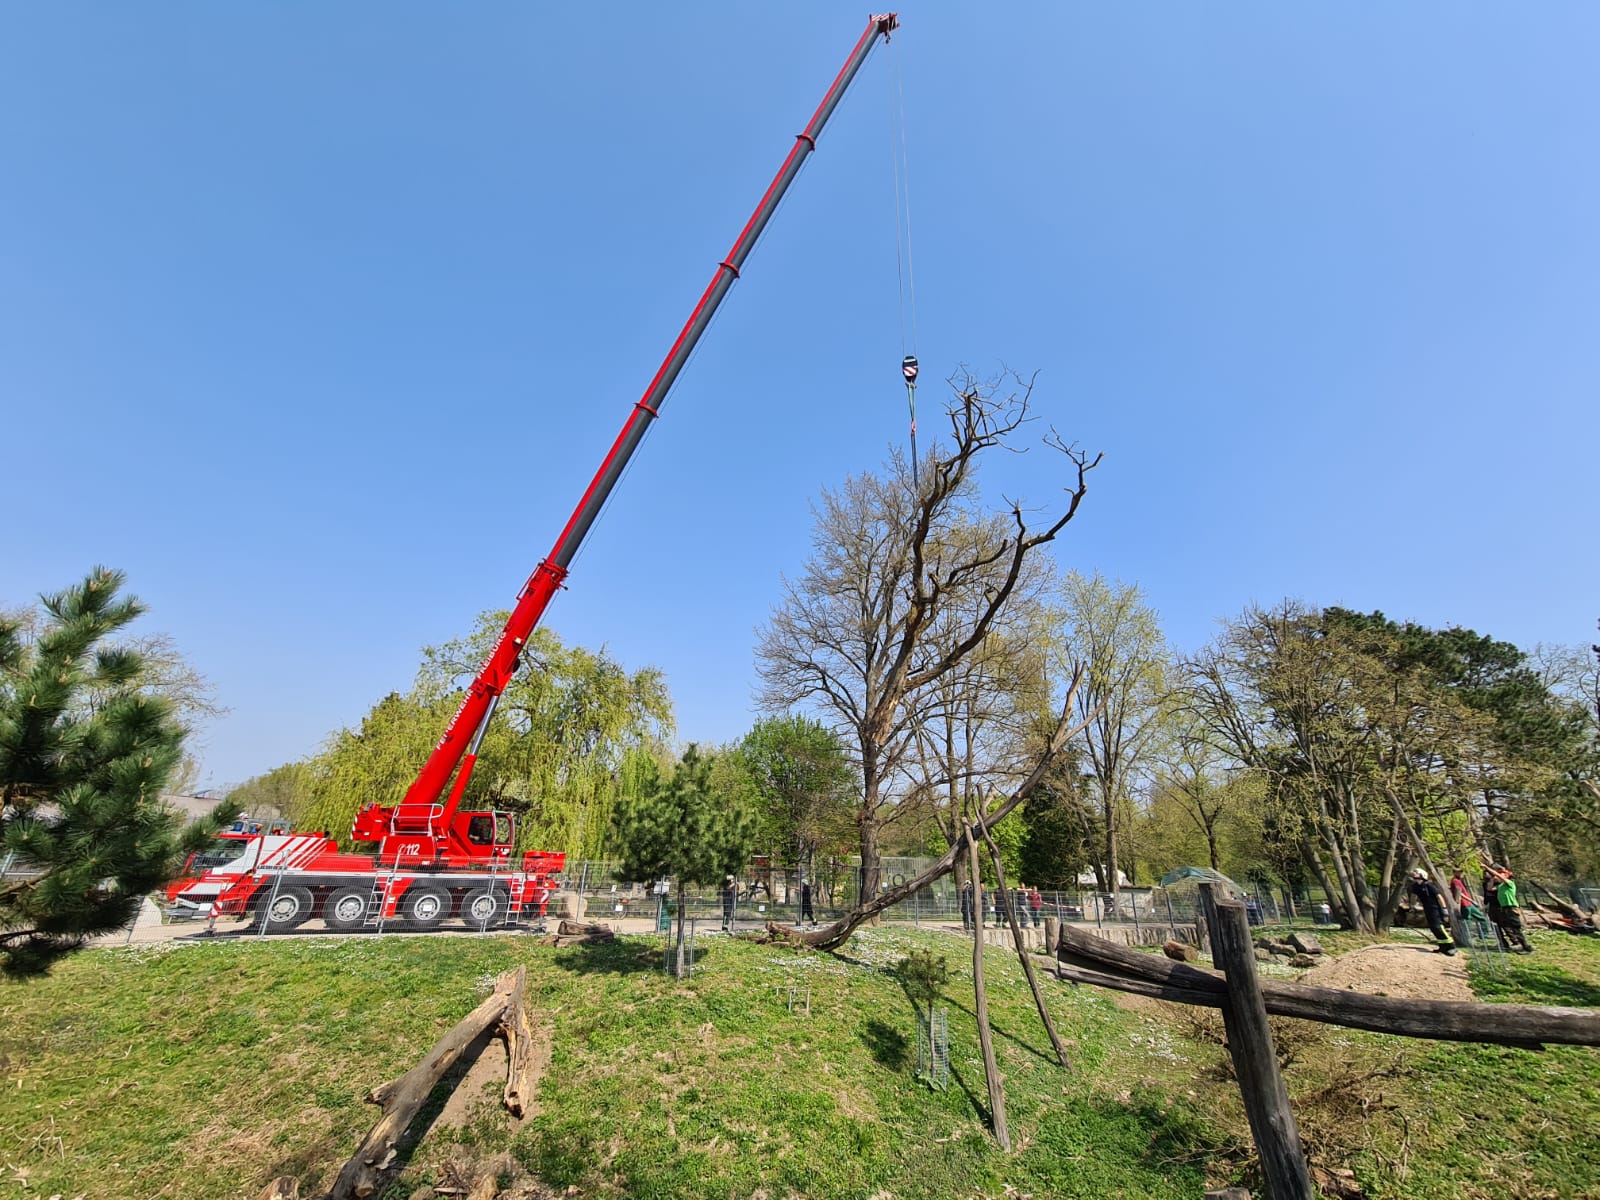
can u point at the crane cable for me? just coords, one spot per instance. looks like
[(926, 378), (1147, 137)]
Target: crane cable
[(904, 272)]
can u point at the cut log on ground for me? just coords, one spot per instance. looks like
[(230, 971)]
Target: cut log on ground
[(400, 1098), (1096, 961), (518, 1033), (579, 933)]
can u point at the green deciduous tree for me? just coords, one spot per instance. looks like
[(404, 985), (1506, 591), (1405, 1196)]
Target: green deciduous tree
[(803, 784), (680, 827), (1124, 700), (86, 749)]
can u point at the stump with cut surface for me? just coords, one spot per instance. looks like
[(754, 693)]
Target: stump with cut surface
[(1179, 952)]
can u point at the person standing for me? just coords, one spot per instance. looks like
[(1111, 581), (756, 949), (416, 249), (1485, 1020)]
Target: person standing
[(730, 894), (1432, 900), (1036, 905), (1472, 918), (1506, 913), (966, 905), (805, 902)]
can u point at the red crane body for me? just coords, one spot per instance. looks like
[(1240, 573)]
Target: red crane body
[(434, 861), (421, 811)]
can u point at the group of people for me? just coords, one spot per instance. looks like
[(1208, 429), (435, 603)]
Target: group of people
[(729, 893), (1499, 902), (1025, 901)]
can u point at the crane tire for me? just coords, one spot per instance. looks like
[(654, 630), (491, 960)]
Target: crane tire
[(424, 906), (290, 908), (345, 909), (485, 907)]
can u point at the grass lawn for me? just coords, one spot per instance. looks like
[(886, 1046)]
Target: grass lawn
[(202, 1070)]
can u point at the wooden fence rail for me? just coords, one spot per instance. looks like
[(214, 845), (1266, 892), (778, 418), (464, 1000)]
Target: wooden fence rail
[(1245, 1001)]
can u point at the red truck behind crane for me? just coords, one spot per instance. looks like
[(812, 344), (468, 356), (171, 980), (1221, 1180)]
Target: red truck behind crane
[(435, 861)]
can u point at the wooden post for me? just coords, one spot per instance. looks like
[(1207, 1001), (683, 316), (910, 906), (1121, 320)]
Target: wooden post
[(991, 1069), (1266, 1100), (1022, 951)]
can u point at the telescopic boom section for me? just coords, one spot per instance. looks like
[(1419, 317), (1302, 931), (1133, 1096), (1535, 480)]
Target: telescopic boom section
[(460, 742)]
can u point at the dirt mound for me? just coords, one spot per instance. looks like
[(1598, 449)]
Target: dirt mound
[(1410, 972)]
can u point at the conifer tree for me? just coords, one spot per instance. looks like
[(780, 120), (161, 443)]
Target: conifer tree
[(680, 828), (85, 752)]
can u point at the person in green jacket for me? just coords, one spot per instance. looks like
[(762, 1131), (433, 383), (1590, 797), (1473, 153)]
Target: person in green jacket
[(1505, 910)]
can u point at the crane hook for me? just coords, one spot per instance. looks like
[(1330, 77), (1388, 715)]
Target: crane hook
[(909, 368)]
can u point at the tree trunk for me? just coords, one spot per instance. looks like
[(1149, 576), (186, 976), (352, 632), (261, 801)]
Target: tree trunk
[(1022, 951), (830, 936), (677, 970), (871, 862), (1319, 871), (980, 1005), (1358, 915), (1111, 856)]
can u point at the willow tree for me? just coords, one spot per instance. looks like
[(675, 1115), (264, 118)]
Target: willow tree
[(854, 639), (557, 752)]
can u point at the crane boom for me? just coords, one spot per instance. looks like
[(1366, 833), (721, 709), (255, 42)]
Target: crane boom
[(459, 745)]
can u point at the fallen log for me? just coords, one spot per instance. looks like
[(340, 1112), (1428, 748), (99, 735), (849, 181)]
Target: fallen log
[(401, 1098), (587, 929), (1522, 1025), (518, 1033)]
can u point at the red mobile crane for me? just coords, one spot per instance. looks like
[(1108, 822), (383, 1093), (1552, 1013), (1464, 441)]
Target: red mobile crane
[(433, 859)]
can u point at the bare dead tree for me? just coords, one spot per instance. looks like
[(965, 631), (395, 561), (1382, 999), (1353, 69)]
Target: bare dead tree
[(853, 638), (829, 936)]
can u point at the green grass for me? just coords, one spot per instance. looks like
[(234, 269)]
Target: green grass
[(205, 1069)]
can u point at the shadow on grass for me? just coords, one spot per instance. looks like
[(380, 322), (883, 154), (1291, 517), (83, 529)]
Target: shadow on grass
[(888, 1045), (1532, 982), (626, 957)]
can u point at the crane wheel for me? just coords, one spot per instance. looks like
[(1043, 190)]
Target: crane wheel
[(290, 908), (424, 906), (485, 908), (346, 909)]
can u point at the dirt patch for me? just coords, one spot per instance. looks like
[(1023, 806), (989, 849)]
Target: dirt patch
[(1408, 972), (485, 1081)]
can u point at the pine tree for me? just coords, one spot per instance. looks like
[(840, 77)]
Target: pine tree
[(84, 754), (680, 828)]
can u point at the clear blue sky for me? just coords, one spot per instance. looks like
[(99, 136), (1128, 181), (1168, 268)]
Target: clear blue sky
[(316, 318)]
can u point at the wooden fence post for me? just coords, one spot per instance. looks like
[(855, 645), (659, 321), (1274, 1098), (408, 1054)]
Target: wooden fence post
[(1266, 1100)]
